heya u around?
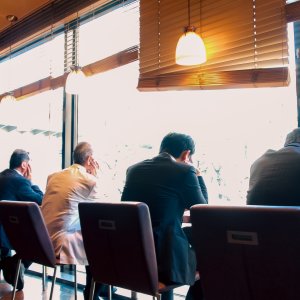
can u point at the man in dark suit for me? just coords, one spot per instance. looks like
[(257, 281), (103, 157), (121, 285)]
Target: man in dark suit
[(274, 177), (169, 184), (15, 185)]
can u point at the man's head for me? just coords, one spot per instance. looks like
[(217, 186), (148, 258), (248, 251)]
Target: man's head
[(293, 137), (179, 145), (19, 160), (83, 154)]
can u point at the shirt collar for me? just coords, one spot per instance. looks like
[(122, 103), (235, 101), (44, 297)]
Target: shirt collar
[(18, 172), (166, 154), (81, 168)]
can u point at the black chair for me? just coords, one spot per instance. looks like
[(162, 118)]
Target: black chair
[(247, 252), (119, 245), (28, 235)]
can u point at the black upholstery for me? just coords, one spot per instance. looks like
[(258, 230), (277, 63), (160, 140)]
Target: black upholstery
[(27, 232), (119, 245), (247, 252), (28, 235)]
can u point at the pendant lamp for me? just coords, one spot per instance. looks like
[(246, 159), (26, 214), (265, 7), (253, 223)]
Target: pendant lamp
[(75, 80), (190, 49), (9, 97)]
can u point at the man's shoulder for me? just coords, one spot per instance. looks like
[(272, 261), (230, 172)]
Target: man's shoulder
[(10, 174), (55, 177), (159, 165), (265, 156), (139, 165), (275, 155)]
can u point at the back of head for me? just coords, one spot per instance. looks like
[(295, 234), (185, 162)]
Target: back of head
[(17, 157), (81, 153), (293, 137), (175, 143)]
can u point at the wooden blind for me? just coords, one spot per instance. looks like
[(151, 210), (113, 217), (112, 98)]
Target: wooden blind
[(52, 15), (246, 44)]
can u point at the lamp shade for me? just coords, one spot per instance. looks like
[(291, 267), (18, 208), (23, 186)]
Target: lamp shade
[(190, 49), (9, 98), (75, 81)]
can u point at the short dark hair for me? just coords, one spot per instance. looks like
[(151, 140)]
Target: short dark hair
[(81, 152), (17, 157), (175, 143)]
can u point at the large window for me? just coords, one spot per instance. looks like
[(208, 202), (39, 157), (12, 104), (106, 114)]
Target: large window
[(35, 125), (231, 127), (33, 64), (108, 34)]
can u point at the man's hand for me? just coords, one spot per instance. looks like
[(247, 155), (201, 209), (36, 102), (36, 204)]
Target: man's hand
[(189, 162), (28, 172), (93, 167)]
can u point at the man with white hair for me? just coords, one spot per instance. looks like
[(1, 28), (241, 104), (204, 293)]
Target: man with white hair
[(274, 177), (65, 189)]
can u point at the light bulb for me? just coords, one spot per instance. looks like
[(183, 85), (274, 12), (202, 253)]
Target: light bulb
[(9, 97), (75, 81), (190, 49)]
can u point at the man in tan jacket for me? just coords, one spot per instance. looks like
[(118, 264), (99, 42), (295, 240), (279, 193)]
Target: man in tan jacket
[(65, 189)]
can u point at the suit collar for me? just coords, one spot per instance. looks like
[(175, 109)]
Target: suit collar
[(18, 172), (166, 155), (294, 146)]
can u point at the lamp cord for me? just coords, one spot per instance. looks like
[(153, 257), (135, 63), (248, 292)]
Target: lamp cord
[(10, 65), (189, 13)]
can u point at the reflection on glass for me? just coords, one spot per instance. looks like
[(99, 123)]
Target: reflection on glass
[(34, 124), (33, 65), (109, 33)]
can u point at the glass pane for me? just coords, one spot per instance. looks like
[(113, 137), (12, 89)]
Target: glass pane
[(33, 65), (35, 125), (109, 34), (231, 128)]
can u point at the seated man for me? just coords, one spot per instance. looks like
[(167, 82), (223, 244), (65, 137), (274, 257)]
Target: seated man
[(169, 185), (65, 189), (274, 177), (15, 185)]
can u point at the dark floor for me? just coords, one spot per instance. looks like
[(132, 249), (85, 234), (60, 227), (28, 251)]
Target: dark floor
[(33, 291)]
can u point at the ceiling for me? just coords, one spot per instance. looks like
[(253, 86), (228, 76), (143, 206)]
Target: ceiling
[(19, 8)]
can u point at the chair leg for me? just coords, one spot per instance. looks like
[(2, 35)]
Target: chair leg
[(92, 289), (75, 281), (44, 278), (53, 282), (109, 292), (16, 279)]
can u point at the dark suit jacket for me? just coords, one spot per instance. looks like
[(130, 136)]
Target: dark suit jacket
[(275, 177), (14, 186), (168, 188)]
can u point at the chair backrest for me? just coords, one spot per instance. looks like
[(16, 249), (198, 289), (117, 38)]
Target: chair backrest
[(119, 245), (247, 252), (26, 231)]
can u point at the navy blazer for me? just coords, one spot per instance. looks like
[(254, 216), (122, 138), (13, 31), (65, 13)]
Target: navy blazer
[(16, 187), (168, 188)]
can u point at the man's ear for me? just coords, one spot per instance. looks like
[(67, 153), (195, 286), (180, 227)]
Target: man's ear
[(23, 165), (185, 156), (89, 160)]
